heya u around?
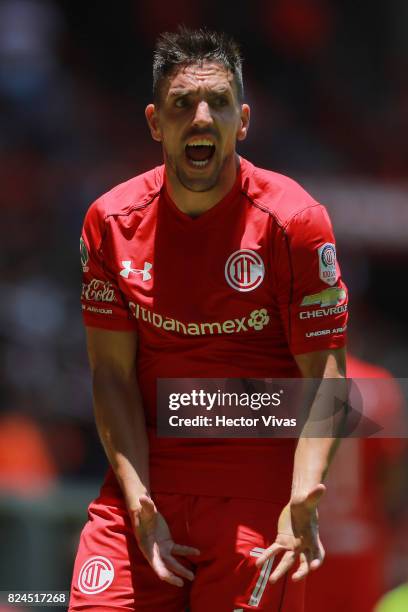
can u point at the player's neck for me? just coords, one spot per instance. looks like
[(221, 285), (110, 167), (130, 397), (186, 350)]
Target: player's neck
[(195, 203)]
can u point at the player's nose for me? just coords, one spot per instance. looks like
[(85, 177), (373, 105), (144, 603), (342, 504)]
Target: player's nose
[(202, 116)]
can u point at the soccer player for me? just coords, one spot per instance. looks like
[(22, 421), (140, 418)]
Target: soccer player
[(204, 267)]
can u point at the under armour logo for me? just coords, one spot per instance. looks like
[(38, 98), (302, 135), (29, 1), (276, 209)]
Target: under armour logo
[(127, 269)]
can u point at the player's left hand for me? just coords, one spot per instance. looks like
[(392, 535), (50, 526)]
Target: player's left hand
[(157, 545), (297, 538)]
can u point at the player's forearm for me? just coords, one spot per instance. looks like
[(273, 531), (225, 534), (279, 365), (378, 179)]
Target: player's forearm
[(121, 425), (312, 460), (314, 454)]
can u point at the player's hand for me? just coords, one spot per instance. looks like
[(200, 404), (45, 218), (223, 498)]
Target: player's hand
[(297, 538), (155, 541)]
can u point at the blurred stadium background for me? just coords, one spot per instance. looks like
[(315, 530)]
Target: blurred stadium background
[(328, 85)]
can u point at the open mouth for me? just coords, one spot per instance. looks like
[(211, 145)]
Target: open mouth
[(199, 152)]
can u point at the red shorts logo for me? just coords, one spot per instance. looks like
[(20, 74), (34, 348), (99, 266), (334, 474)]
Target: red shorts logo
[(244, 270), (96, 575)]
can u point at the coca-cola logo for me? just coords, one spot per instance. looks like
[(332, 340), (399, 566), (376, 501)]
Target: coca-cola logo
[(98, 291)]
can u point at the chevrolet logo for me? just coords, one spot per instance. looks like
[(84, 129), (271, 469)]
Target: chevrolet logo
[(328, 297)]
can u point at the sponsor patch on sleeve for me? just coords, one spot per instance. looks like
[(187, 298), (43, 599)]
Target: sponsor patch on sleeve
[(327, 297), (84, 254), (98, 291), (327, 263)]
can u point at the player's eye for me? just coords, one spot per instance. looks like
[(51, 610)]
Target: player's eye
[(181, 102), (220, 101)]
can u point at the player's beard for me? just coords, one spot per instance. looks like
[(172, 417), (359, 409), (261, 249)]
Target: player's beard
[(197, 183)]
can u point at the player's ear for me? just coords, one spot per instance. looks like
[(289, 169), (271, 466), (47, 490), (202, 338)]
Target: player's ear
[(244, 122), (152, 121)]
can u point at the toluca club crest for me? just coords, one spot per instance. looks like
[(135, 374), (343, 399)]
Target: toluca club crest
[(244, 270)]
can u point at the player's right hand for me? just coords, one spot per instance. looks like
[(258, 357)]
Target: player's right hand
[(155, 541), (297, 538)]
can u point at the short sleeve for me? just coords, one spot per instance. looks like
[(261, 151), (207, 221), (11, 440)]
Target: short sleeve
[(103, 305), (312, 296)]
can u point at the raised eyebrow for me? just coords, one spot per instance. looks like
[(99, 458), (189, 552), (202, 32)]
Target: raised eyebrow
[(178, 93), (220, 92)]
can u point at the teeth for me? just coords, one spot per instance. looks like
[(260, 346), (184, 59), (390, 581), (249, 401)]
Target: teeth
[(200, 164), (199, 143)]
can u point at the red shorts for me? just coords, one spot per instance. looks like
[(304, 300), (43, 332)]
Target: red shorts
[(111, 573)]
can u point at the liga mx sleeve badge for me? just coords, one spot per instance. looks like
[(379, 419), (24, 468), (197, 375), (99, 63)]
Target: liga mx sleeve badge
[(84, 254), (327, 263)]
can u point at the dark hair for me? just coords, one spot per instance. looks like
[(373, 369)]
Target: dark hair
[(184, 47)]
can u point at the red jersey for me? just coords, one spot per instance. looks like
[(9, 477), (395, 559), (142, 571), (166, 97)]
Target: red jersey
[(233, 293)]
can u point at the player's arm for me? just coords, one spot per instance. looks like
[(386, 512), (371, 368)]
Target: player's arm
[(121, 425), (298, 533), (118, 409), (312, 300), (313, 455)]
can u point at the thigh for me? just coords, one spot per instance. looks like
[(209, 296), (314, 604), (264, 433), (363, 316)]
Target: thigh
[(110, 573), (233, 534)]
